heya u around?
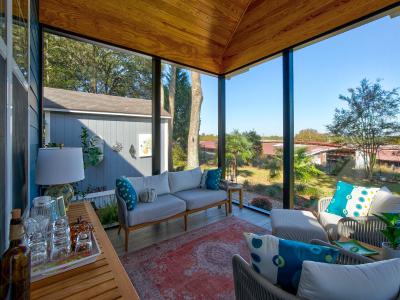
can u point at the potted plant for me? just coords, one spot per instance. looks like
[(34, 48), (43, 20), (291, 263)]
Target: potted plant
[(391, 248)]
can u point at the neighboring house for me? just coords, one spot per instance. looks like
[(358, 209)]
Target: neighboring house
[(124, 125)]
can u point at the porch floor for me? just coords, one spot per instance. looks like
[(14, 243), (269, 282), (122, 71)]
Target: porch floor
[(156, 233)]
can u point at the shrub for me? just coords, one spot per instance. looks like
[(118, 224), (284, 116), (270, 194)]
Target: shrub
[(108, 214), (261, 202)]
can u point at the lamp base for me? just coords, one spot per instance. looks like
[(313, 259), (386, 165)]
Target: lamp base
[(65, 190)]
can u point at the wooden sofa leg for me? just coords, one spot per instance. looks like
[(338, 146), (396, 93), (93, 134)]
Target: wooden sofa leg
[(126, 238), (226, 208), (185, 217)]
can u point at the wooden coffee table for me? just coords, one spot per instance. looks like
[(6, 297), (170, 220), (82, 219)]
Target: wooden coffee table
[(376, 257)]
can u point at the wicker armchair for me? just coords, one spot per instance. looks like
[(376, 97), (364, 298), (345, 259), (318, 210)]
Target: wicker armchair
[(249, 285), (365, 229)]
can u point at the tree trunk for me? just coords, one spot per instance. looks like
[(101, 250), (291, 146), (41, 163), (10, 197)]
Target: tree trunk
[(194, 125), (171, 100)]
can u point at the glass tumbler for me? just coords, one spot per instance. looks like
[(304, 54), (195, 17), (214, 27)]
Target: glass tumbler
[(60, 240), (83, 243)]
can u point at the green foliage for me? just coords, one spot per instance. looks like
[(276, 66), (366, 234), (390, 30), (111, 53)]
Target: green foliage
[(304, 168), (369, 120), (392, 230), (179, 157), (262, 202), (238, 148), (274, 163), (74, 65), (256, 146), (311, 135), (108, 214), (183, 103), (91, 154)]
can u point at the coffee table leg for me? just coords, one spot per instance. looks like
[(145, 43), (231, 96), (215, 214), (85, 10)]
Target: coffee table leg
[(241, 198)]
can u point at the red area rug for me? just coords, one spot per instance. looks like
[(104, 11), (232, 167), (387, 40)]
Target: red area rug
[(194, 265)]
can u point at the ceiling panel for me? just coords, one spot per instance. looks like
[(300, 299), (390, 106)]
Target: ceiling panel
[(215, 36)]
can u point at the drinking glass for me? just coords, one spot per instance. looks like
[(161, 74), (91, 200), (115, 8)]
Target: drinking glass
[(37, 239), (83, 242), (60, 240)]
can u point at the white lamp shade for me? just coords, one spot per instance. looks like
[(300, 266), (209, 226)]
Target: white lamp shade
[(59, 166)]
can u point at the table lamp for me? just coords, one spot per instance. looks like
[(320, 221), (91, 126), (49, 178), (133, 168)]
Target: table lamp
[(57, 168)]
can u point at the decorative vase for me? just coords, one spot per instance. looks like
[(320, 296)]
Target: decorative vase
[(388, 252), (65, 190)]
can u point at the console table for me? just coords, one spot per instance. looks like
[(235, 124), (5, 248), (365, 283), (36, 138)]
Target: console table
[(105, 278)]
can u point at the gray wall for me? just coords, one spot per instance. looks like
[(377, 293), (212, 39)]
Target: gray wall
[(66, 128)]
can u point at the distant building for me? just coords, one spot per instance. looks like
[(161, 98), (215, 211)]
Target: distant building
[(122, 124)]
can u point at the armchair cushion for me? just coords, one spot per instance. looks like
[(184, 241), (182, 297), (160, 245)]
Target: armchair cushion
[(184, 180), (350, 200), (330, 223), (280, 261), (374, 281), (385, 201)]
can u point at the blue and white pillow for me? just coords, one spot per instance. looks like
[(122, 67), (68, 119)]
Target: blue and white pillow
[(280, 261), (126, 191), (213, 179), (351, 201)]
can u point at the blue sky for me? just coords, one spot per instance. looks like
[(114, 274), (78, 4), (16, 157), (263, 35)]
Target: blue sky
[(322, 71)]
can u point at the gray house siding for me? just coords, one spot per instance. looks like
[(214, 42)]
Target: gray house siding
[(65, 128)]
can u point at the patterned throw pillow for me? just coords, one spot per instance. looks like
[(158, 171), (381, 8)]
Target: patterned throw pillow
[(213, 179), (280, 261), (350, 200), (148, 195), (126, 191)]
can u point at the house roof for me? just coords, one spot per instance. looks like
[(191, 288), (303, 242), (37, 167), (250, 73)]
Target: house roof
[(214, 36), (73, 101)]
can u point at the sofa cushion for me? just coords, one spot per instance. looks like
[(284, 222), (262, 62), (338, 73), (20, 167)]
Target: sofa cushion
[(197, 198), (280, 261), (184, 180), (157, 182), (350, 200), (385, 201), (126, 191), (330, 224), (213, 179), (163, 207), (373, 281)]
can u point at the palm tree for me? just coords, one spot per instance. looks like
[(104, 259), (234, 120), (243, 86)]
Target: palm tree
[(238, 150)]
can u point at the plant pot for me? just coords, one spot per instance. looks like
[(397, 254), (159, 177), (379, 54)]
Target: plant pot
[(388, 252)]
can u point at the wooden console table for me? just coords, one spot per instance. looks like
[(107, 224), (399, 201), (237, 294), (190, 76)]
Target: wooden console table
[(105, 278)]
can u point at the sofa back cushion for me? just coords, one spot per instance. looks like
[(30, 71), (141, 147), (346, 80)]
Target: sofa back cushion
[(280, 261), (373, 281), (184, 180), (157, 182), (385, 201)]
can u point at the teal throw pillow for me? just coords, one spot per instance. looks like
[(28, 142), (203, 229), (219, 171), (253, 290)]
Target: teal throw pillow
[(280, 261), (351, 201), (126, 191), (213, 179)]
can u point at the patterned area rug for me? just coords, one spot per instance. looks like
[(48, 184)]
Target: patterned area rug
[(194, 265)]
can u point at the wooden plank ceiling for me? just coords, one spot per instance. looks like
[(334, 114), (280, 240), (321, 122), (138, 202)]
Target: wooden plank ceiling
[(214, 36)]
